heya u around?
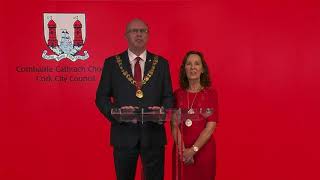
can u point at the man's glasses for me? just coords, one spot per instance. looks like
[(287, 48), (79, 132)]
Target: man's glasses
[(135, 31)]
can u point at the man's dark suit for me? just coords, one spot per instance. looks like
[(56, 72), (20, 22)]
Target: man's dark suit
[(127, 136)]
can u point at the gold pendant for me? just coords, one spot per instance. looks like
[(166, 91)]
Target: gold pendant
[(188, 123), (139, 93)]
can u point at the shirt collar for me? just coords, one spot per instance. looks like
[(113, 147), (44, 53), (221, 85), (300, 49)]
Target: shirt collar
[(132, 56)]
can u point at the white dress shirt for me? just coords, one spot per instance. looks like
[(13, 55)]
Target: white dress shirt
[(132, 60)]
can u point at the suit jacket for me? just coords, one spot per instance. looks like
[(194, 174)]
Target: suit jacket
[(157, 92)]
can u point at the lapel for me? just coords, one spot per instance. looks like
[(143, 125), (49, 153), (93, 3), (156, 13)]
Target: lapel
[(148, 64), (125, 62)]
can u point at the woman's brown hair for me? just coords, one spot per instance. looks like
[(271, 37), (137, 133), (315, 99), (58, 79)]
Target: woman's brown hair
[(204, 77)]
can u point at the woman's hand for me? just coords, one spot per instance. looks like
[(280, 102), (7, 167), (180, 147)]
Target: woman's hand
[(188, 154)]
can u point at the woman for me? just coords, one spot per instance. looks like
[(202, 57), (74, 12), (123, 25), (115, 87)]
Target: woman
[(197, 146)]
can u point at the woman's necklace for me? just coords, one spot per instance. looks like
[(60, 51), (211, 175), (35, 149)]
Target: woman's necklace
[(188, 122), (191, 111)]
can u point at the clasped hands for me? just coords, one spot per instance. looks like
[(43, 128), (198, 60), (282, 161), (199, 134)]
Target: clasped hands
[(134, 108), (187, 156)]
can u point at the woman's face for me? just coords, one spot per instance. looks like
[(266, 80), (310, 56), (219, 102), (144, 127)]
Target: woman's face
[(193, 67)]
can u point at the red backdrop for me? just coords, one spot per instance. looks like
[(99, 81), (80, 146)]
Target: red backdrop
[(264, 61)]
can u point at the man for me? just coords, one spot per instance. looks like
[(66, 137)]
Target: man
[(132, 80)]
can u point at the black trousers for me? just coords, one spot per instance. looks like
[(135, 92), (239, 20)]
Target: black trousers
[(125, 160)]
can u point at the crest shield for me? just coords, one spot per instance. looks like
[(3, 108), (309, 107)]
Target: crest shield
[(65, 35)]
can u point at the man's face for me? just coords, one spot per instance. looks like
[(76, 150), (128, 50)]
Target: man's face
[(137, 34)]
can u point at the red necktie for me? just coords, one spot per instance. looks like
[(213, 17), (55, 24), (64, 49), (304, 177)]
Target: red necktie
[(137, 72)]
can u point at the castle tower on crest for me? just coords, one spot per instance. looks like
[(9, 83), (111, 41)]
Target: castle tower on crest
[(52, 41), (77, 41)]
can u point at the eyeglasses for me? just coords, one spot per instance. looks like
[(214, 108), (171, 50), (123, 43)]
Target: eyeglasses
[(135, 31)]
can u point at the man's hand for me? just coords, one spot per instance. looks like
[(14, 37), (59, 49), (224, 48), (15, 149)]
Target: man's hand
[(127, 112), (158, 119), (133, 108), (154, 108)]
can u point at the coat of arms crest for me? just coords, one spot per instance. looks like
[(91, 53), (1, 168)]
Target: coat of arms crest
[(65, 35)]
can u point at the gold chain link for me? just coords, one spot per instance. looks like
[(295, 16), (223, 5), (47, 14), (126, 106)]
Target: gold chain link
[(129, 77)]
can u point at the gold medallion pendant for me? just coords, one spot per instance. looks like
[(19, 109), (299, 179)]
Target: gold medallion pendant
[(188, 123), (139, 93)]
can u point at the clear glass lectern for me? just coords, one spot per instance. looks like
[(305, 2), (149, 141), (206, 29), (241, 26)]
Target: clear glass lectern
[(178, 118)]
